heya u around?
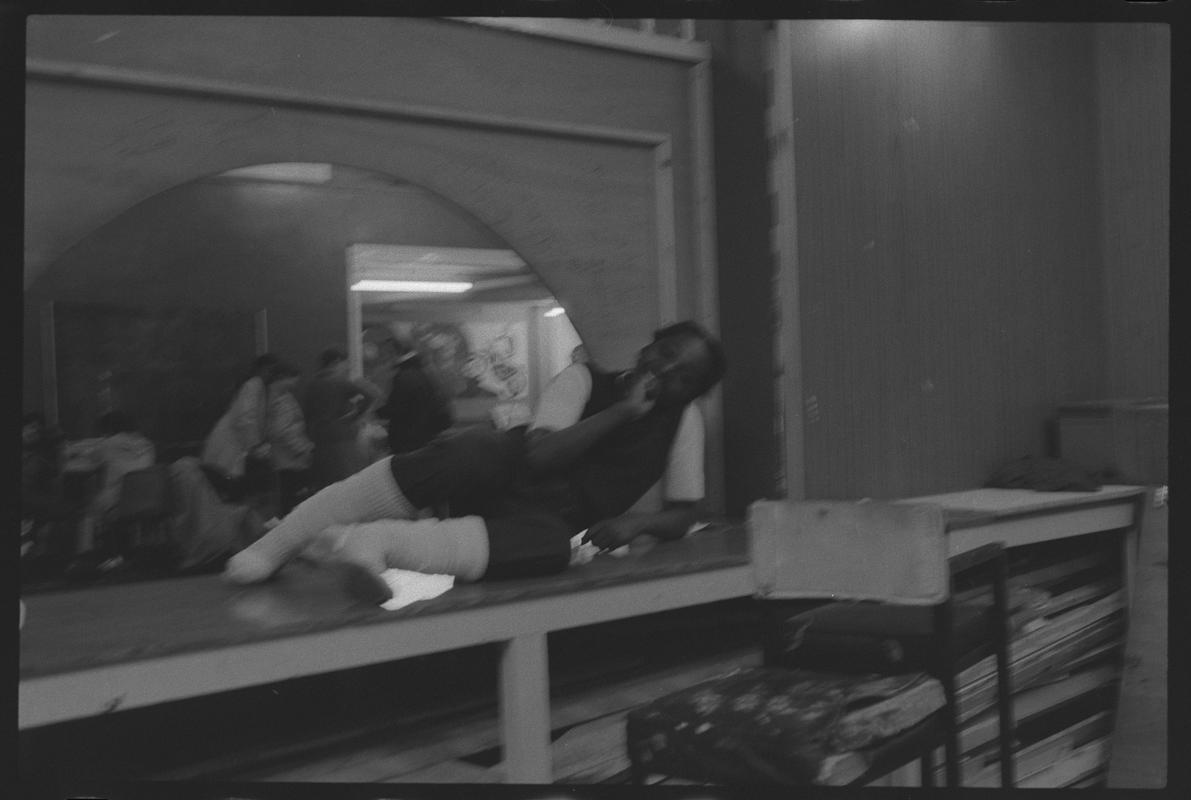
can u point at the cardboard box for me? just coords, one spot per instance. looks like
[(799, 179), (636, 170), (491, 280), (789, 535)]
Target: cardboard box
[(1125, 440)]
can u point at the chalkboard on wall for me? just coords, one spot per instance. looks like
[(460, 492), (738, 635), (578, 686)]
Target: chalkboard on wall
[(173, 370)]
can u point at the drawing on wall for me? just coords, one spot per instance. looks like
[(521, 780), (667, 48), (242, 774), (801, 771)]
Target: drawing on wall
[(474, 359), (172, 369)]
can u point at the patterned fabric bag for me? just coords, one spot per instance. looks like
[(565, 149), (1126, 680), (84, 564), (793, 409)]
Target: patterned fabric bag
[(777, 725)]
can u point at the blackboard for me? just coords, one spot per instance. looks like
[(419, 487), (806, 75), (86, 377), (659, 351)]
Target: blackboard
[(174, 370)]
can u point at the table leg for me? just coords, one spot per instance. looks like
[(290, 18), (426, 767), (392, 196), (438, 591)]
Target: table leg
[(1129, 544), (525, 710)]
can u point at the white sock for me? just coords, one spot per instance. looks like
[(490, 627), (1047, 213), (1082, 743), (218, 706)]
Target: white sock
[(370, 494), (457, 546)]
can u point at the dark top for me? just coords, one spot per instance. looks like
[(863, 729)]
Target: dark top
[(485, 472), (617, 471), (417, 410), (333, 408)]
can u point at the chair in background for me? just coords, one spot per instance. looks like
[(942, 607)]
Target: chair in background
[(859, 684), (138, 520)]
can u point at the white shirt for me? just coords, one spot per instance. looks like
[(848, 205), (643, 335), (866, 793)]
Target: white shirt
[(241, 428), (562, 404)]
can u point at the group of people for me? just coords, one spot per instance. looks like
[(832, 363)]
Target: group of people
[(481, 503), (477, 502), (118, 450), (41, 466), (273, 441), (268, 435)]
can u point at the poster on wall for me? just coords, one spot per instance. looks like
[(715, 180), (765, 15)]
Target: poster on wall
[(483, 367), (476, 359)]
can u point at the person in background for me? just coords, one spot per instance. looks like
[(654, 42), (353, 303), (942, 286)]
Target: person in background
[(417, 409), (335, 409), (290, 449), (119, 451), (241, 434), (507, 503), (41, 466)]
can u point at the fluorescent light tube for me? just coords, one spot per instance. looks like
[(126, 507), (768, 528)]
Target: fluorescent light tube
[(285, 173), (444, 287)]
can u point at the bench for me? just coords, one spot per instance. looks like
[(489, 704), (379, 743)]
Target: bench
[(95, 652), (99, 651)]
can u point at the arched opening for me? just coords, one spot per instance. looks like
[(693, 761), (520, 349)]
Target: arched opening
[(164, 305)]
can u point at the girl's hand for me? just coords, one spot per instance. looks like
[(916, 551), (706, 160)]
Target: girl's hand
[(639, 399), (610, 534)]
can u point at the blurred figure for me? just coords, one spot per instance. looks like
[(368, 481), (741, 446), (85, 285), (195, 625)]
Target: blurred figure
[(120, 450), (379, 353), (335, 408), (41, 466), (417, 408), (290, 449), (241, 434)]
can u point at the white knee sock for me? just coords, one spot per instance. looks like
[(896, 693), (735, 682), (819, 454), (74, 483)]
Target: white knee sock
[(457, 546), (370, 494)]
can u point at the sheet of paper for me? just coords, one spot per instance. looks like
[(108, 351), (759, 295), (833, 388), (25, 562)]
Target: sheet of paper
[(582, 552), (410, 587)]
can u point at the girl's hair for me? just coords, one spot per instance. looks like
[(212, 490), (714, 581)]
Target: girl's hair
[(717, 361)]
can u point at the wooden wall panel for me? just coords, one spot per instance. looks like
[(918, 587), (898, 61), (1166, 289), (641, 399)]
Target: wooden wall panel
[(423, 62), (948, 253), (1133, 70), (430, 62), (745, 261), (572, 209)]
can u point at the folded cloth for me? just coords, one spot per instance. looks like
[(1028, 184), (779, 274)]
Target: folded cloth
[(410, 587)]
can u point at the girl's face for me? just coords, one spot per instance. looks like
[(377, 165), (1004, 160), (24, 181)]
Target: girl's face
[(679, 366)]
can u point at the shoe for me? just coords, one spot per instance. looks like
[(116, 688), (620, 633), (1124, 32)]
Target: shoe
[(362, 584)]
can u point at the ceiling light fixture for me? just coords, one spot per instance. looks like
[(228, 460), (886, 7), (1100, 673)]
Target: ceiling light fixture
[(555, 312), (437, 287), (298, 172)]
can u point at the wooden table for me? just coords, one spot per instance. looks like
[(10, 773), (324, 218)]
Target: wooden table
[(1020, 517), (97, 651)]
